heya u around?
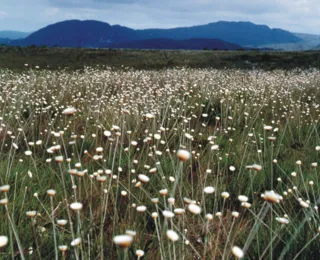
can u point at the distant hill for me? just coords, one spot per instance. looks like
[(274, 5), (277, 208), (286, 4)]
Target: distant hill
[(5, 41), (13, 35), (242, 33), (316, 48), (312, 38), (309, 41), (75, 33), (189, 44)]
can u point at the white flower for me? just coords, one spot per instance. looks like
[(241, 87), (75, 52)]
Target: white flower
[(99, 149), (123, 240), (179, 211), (4, 188), (150, 116), (157, 136), (271, 196), (76, 206), (107, 133), (246, 205), (167, 214), (283, 220), (154, 215), (172, 235), (215, 147), (163, 192), (256, 167), (209, 190), (31, 213), (51, 192), (143, 178), (209, 216), (58, 159), (63, 248), (237, 252), (225, 195), (141, 208), (188, 136), (183, 155), (267, 127), (62, 222), (76, 242), (139, 253), (194, 209), (3, 241), (69, 111), (235, 214), (304, 204), (243, 198), (134, 143)]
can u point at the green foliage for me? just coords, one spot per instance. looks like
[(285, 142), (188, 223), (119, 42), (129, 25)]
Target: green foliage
[(219, 116)]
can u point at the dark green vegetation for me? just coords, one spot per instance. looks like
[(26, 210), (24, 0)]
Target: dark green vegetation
[(55, 58)]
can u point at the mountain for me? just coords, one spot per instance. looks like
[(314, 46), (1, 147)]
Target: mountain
[(307, 37), (242, 33), (75, 33), (5, 41), (190, 44), (309, 41), (13, 35), (316, 48)]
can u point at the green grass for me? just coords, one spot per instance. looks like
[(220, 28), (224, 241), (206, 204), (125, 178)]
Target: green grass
[(57, 58), (192, 110)]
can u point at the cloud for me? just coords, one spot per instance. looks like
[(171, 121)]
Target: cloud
[(294, 15), (3, 14), (92, 4), (52, 11)]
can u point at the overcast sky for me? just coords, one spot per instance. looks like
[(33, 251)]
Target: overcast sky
[(293, 15)]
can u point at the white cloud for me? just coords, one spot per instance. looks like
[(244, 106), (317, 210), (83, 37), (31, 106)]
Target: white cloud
[(52, 11), (294, 15)]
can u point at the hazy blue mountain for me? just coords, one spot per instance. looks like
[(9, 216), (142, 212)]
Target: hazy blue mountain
[(242, 33), (75, 33), (5, 41), (13, 35), (189, 44), (309, 41), (316, 48), (312, 38)]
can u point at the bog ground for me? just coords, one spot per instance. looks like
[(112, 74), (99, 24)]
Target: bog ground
[(15, 58), (159, 164)]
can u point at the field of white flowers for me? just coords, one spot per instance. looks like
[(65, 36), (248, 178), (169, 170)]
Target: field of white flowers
[(170, 164)]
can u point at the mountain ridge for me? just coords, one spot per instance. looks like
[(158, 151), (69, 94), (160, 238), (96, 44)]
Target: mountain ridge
[(91, 33), (13, 35)]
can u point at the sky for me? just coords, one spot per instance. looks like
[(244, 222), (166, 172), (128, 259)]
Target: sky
[(31, 15)]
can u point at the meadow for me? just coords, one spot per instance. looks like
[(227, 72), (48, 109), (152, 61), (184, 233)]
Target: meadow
[(57, 58), (181, 163)]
